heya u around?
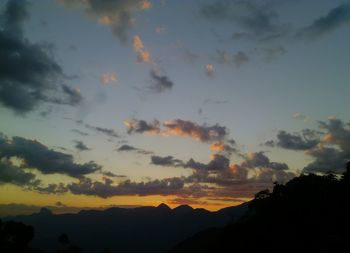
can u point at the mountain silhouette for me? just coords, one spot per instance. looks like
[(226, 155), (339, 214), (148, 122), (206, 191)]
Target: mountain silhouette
[(142, 229)]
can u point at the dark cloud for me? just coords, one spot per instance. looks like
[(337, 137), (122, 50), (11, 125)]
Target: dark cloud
[(327, 159), (40, 79), (260, 160), (141, 126), (37, 156), (126, 147), (106, 131), (14, 16), (160, 83), (74, 96), (294, 141), (117, 14), (79, 145), (111, 174), (218, 163), (257, 20), (166, 161), (334, 150), (336, 17), (329, 145), (14, 175), (59, 188), (107, 189), (256, 172)]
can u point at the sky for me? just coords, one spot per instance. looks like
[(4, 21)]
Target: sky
[(141, 102)]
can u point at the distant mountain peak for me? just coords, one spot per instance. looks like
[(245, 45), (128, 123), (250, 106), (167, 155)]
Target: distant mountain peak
[(164, 206), (183, 209)]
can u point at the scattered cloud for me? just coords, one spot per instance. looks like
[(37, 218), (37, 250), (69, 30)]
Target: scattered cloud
[(203, 133), (160, 83), (143, 54), (260, 160), (117, 14), (35, 155), (209, 69), (86, 186), (141, 126), (307, 140), (80, 146), (108, 78), (215, 135), (166, 161)]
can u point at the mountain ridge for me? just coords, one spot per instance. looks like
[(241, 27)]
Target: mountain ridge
[(124, 229)]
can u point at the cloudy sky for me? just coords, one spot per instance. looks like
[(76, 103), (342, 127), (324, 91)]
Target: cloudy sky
[(138, 102)]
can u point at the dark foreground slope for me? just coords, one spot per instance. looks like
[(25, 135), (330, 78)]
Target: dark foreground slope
[(308, 214), (143, 229)]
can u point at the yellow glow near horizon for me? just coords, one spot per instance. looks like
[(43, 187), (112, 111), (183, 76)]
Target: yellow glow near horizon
[(10, 194)]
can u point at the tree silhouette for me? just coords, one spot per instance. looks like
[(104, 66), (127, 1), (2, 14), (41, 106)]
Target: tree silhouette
[(15, 236), (63, 240), (309, 213)]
